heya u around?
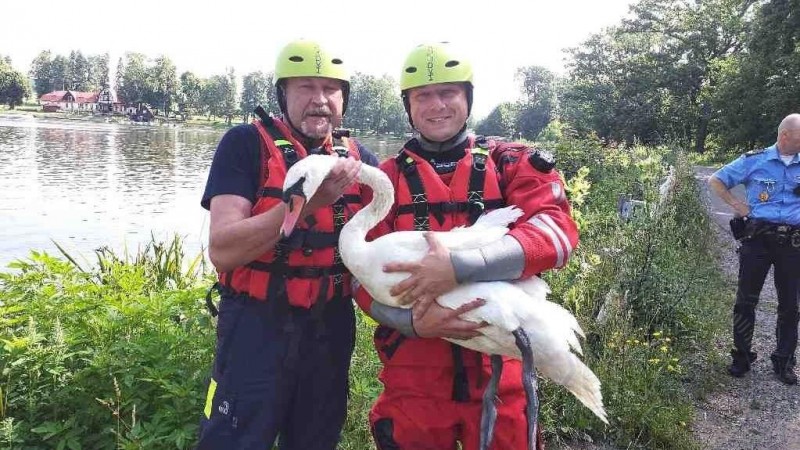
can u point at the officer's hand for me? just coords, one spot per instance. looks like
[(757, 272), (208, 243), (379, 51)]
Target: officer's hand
[(444, 322), (741, 209), (341, 176), (430, 277)]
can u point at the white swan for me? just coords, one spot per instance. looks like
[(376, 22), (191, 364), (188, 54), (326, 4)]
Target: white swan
[(509, 307)]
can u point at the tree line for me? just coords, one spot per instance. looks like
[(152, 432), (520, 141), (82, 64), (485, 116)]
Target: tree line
[(700, 73), (714, 74)]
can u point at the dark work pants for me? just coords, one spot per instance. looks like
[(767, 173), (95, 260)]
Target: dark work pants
[(756, 256), (265, 390)]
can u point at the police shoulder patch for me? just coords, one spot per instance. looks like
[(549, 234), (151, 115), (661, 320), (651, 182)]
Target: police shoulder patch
[(754, 152)]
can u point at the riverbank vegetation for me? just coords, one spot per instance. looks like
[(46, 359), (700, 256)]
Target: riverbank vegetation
[(115, 353)]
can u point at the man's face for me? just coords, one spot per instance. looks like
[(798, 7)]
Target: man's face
[(439, 111), (789, 140), (314, 105)]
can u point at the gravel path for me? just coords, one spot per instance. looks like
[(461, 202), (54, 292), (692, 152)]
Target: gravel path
[(757, 411)]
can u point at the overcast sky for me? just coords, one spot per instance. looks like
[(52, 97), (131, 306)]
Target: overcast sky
[(373, 36)]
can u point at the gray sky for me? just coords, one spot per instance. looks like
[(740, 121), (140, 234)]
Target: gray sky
[(374, 37)]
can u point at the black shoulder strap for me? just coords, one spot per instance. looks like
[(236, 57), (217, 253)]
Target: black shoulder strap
[(288, 151), (477, 178), (419, 200)]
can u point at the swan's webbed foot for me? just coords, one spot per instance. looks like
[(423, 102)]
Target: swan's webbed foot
[(489, 410), (529, 384)]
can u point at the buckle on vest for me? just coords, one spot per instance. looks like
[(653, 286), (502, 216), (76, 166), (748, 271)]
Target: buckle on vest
[(479, 162), (341, 150), (409, 167)]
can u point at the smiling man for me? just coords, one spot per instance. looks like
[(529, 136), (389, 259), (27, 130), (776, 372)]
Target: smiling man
[(286, 324), (445, 178)]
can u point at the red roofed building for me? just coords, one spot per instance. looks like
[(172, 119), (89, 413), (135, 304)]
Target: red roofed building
[(102, 101)]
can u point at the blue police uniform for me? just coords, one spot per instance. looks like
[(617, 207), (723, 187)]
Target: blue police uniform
[(772, 240)]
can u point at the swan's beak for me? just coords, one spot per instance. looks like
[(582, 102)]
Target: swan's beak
[(294, 205)]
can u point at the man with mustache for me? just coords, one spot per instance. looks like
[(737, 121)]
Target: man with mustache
[(286, 324), (445, 178)]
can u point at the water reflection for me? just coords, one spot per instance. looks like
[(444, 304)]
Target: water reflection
[(85, 185)]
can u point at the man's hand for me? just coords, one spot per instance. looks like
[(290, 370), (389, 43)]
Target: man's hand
[(741, 209), (430, 277), (341, 176), (444, 322)]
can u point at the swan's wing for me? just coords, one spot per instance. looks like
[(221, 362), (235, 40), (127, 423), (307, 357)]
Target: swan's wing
[(414, 241), (502, 217), (469, 238)]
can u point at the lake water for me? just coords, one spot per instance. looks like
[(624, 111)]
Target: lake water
[(85, 185)]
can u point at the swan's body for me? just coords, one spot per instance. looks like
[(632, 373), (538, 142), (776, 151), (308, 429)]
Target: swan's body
[(508, 306)]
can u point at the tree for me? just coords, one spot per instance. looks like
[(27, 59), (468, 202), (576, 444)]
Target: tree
[(538, 105), (163, 83), (191, 94), (230, 105), (98, 72), (13, 85), (133, 82), (78, 72), (500, 122), (219, 96), (59, 73), (41, 73), (374, 105), (254, 93), (652, 78), (760, 86)]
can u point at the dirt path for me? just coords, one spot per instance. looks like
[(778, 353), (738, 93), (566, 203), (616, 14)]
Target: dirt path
[(757, 411)]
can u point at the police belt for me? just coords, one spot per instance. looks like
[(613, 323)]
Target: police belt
[(779, 233)]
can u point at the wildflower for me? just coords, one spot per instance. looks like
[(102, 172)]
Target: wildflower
[(664, 349), (657, 334), (654, 361)]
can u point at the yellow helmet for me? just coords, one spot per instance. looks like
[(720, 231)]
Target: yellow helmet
[(433, 64), (302, 58)]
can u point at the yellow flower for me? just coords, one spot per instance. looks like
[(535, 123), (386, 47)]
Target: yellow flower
[(664, 349), (657, 334), (654, 361)]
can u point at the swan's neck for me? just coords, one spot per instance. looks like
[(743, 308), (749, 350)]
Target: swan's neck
[(364, 220)]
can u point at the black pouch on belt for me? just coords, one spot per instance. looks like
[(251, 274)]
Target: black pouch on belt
[(739, 227)]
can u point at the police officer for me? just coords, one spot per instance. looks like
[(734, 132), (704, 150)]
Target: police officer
[(771, 238)]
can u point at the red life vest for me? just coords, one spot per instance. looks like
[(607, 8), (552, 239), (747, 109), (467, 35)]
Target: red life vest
[(305, 267), (425, 202)]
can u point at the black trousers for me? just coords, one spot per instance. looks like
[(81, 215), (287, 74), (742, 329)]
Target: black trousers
[(756, 256), (270, 383)]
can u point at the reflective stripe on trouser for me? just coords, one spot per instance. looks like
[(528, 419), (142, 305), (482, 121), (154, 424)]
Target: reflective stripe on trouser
[(255, 397), (415, 411), (755, 259)]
